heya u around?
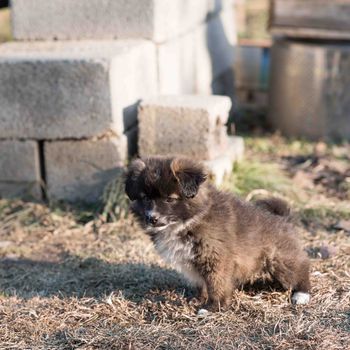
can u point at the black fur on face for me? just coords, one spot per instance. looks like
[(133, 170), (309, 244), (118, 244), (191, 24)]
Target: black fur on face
[(163, 189)]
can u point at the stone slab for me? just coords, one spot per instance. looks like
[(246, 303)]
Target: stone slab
[(79, 170), (56, 90), (222, 166), (215, 48), (157, 20), (191, 125), (19, 169)]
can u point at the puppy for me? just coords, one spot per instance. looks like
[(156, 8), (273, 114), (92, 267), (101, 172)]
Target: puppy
[(216, 240)]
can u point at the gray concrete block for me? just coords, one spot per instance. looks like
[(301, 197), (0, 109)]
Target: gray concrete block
[(215, 47), (79, 170), (176, 65), (191, 125), (19, 169), (157, 20), (55, 90), (221, 167)]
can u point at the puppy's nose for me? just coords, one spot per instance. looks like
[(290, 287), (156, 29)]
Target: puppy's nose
[(151, 219)]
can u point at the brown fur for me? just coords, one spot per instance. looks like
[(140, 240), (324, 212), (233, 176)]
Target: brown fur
[(217, 240)]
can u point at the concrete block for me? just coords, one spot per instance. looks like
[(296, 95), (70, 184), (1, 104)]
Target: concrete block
[(19, 169), (215, 46), (55, 90), (157, 20), (79, 170), (176, 65), (191, 125), (221, 167)]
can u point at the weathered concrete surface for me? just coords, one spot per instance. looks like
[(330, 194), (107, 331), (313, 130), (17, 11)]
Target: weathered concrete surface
[(221, 167), (79, 170), (157, 20), (55, 90), (19, 169), (191, 125)]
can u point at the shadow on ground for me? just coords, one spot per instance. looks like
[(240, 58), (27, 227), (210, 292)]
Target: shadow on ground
[(95, 278), (86, 278)]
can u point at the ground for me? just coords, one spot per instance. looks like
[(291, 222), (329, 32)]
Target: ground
[(69, 280)]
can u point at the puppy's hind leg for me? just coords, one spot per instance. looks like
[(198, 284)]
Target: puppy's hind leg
[(301, 291), (294, 275)]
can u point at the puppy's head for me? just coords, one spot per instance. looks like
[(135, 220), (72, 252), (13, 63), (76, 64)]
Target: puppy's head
[(163, 190)]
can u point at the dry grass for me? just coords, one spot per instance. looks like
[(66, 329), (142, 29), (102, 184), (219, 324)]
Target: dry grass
[(67, 282)]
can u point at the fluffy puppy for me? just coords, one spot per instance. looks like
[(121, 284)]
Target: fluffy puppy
[(216, 240)]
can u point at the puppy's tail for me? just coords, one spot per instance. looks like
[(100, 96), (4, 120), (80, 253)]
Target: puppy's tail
[(274, 205)]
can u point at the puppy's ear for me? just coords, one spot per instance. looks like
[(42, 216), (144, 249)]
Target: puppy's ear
[(189, 174), (133, 179)]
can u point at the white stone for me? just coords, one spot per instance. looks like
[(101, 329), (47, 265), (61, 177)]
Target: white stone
[(190, 125), (56, 90), (20, 169), (79, 170)]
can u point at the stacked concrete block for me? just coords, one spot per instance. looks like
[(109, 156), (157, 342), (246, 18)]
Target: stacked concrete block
[(79, 170), (73, 80), (202, 58), (19, 169), (73, 89), (177, 65), (190, 125)]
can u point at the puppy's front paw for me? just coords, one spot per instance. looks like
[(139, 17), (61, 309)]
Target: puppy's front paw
[(300, 298)]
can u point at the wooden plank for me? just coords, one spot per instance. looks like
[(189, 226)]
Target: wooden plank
[(310, 33), (331, 17)]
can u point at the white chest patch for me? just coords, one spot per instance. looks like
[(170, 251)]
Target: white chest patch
[(173, 249)]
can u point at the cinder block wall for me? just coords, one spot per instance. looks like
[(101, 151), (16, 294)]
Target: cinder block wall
[(71, 83)]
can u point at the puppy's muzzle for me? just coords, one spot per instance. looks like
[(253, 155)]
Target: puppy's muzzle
[(151, 218)]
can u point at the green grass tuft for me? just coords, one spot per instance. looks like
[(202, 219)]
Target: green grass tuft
[(249, 176)]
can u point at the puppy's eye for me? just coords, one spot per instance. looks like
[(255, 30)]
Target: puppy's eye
[(170, 200)]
